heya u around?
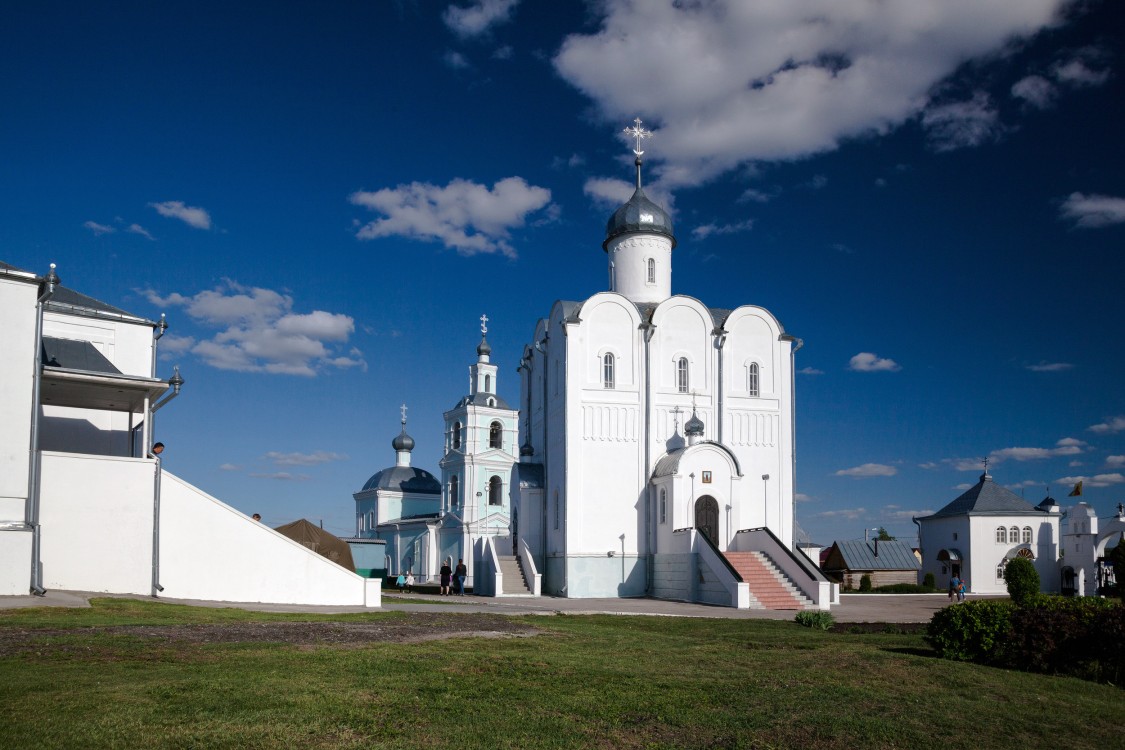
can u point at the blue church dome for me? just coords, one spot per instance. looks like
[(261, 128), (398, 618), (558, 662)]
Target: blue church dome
[(404, 479)]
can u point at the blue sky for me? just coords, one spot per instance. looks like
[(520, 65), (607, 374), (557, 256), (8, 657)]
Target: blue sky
[(325, 197)]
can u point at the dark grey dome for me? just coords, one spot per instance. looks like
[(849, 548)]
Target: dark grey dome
[(404, 479), (1047, 504), (527, 450), (483, 348), (403, 442), (694, 425), (638, 214)]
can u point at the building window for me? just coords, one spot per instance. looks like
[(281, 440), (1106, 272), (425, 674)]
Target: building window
[(608, 380), (495, 490), (1027, 535), (359, 526), (454, 491), (1001, 535), (663, 506), (682, 380), (456, 436), (651, 271), (487, 383), (1026, 554), (752, 379), (495, 435), (1000, 570), (1014, 535)]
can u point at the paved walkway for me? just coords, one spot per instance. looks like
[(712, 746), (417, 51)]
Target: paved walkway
[(852, 608)]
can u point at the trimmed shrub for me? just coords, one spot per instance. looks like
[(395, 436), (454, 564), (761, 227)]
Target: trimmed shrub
[(1062, 635), (972, 631), (865, 583), (1022, 579), (817, 620), (928, 581)]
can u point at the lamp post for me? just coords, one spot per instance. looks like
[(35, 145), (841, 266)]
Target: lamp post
[(766, 499)]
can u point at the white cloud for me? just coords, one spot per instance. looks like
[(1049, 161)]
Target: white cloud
[(706, 230), (1035, 90), (868, 470), (1045, 366), (478, 17), (891, 514), (810, 371), (778, 81), (963, 124), (963, 486), (868, 362), (260, 333), (1115, 461), (1093, 211), (1077, 73), (283, 476), (929, 465), (98, 229), (1067, 446), (138, 229), (304, 459), (503, 53), (190, 215), (802, 497), (229, 467), (849, 514), (1098, 480), (455, 60), (755, 195), (1114, 425), (465, 216), (171, 345)]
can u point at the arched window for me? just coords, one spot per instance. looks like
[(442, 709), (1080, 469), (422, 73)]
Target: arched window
[(1014, 535), (454, 491), (1027, 535), (608, 380), (651, 271), (370, 520), (752, 379), (682, 379), (456, 436), (1026, 554), (495, 488), (359, 525), (1001, 535), (1000, 570), (663, 506), (495, 435), (487, 383)]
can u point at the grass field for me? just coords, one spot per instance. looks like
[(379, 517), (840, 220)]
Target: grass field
[(144, 674)]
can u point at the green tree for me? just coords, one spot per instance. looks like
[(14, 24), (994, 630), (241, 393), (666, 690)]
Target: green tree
[(884, 535), (865, 583), (1022, 579)]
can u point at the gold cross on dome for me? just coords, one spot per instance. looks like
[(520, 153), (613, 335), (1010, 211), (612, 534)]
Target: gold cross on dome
[(638, 134)]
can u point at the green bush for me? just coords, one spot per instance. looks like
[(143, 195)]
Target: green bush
[(1022, 579), (972, 631), (903, 588), (928, 581), (1062, 635), (817, 620), (865, 583)]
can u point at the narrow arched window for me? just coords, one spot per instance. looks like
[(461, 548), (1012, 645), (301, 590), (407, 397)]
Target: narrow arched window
[(456, 436), (608, 375), (1000, 570), (682, 379), (1001, 535), (651, 271), (1014, 535), (752, 379), (663, 506), (488, 384), (454, 490), (371, 520), (495, 435), (1027, 535), (495, 490)]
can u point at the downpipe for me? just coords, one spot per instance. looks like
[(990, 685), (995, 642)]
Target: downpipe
[(177, 382), (34, 476)]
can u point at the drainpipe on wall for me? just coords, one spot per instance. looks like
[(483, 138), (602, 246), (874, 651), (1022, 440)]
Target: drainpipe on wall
[(720, 335), (33, 476), (650, 518), (540, 346), (793, 428), (176, 382)]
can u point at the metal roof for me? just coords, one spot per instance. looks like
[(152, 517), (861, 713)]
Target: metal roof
[(75, 355), (893, 555), (987, 498), (404, 479), (639, 214)]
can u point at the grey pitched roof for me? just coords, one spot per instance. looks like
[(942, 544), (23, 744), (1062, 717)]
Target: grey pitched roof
[(893, 555), (481, 399), (9, 267), (66, 296), (987, 498), (404, 479), (75, 355)]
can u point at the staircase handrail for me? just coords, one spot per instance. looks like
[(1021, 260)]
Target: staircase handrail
[(721, 556), (801, 560), (532, 577)]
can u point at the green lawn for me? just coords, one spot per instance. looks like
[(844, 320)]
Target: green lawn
[(590, 681)]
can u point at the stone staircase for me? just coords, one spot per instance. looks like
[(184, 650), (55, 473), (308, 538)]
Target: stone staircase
[(768, 585), (515, 583)]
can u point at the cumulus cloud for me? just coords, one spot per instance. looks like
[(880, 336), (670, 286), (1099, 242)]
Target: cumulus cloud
[(963, 124), (801, 497), (1098, 480), (138, 229), (1110, 426), (463, 215), (893, 513), (1035, 90), (1114, 461), (283, 476), (781, 81), (1067, 446), (190, 215), (1045, 366), (455, 60), (868, 362), (229, 467), (810, 371), (1078, 73), (304, 459), (1093, 211), (478, 17), (868, 470), (757, 196), (848, 514), (706, 230), (171, 345), (259, 332), (98, 229)]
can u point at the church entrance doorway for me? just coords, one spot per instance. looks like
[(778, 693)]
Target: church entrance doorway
[(707, 518)]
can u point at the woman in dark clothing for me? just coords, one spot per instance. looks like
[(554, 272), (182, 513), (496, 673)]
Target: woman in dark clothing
[(460, 572), (446, 574)]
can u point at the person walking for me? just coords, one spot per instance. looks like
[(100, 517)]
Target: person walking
[(446, 573), (954, 586), (962, 589), (410, 580), (461, 573), (400, 582)]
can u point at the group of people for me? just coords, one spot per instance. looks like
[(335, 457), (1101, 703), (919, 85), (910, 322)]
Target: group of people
[(957, 588), (452, 579)]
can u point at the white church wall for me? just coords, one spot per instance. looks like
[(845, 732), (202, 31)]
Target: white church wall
[(15, 561), (17, 365), (209, 550), (96, 515), (683, 329)]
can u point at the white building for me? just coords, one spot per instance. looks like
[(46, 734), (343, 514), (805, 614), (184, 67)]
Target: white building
[(612, 498), (84, 505)]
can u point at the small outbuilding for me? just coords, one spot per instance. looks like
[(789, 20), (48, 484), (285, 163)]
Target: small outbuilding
[(319, 541), (886, 562)]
